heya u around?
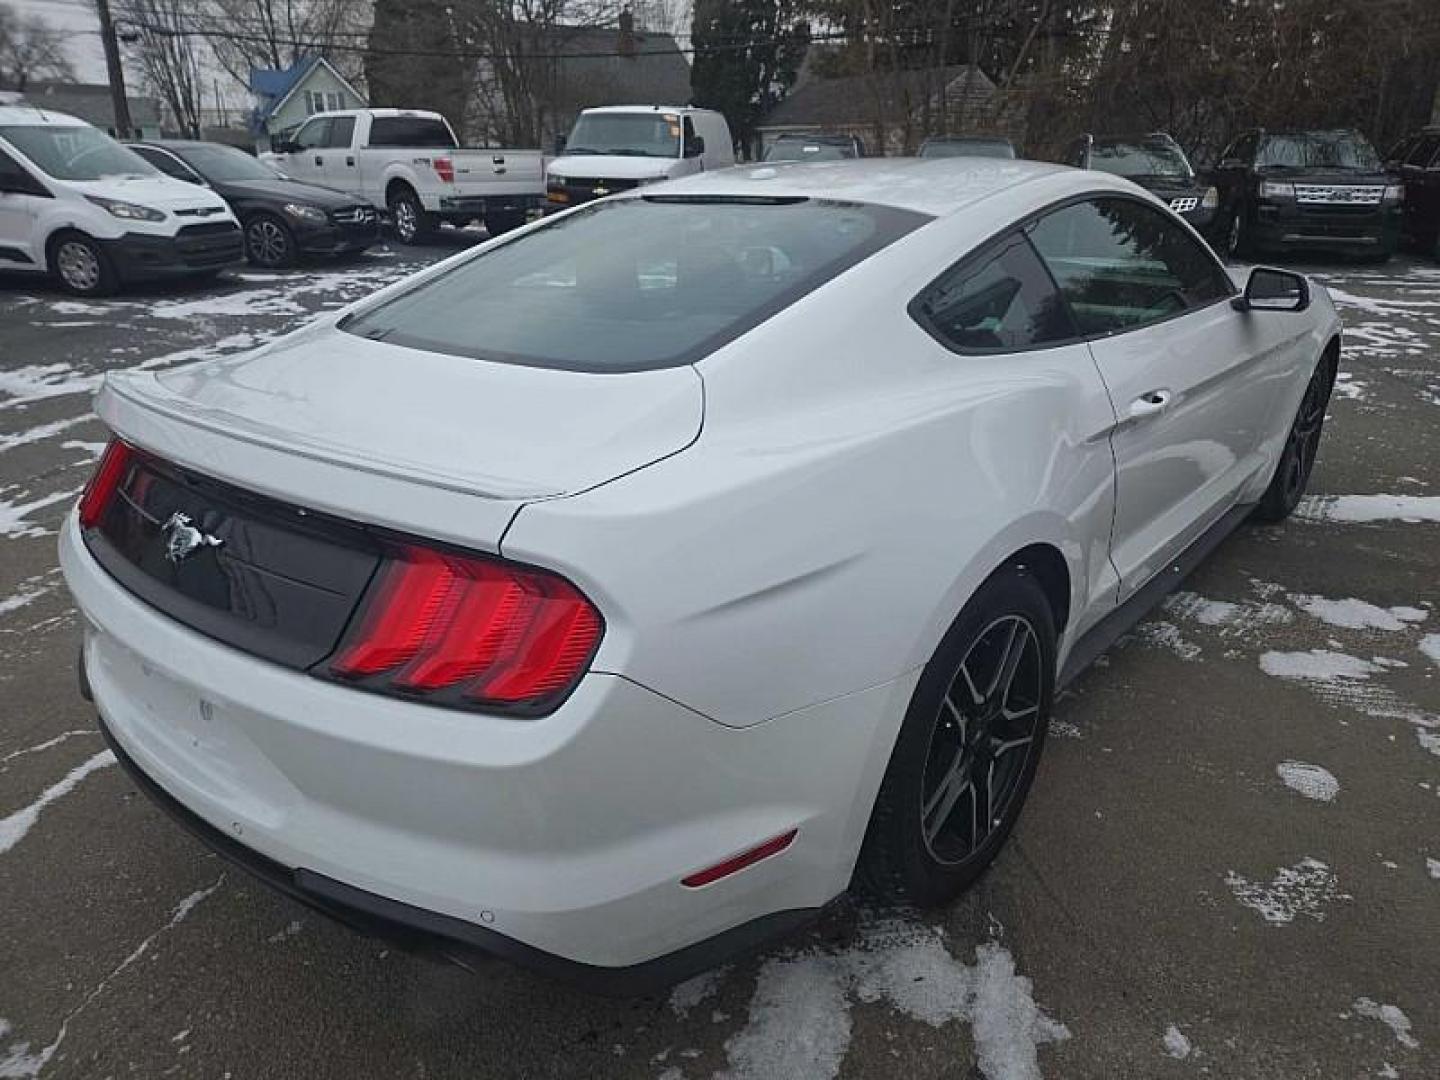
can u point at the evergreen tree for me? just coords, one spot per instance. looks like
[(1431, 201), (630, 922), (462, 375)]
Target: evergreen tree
[(747, 54)]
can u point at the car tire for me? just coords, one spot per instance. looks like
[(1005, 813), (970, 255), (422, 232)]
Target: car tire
[(1302, 443), (927, 839), (81, 266), (1237, 235), (501, 222), (408, 218), (269, 242)]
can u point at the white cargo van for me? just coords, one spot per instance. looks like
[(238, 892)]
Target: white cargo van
[(623, 146), (75, 203)]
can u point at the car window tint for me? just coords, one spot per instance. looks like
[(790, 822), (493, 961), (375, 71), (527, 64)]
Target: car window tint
[(1122, 264), (342, 131), (164, 162), (313, 134), (629, 284), (422, 132), (1003, 300)]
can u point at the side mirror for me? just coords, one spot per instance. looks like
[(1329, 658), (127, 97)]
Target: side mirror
[(559, 144), (1269, 289), (695, 146), (284, 146)]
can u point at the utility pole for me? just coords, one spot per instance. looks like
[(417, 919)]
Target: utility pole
[(118, 100)]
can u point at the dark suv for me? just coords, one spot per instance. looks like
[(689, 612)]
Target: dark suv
[(1306, 190), (1156, 163), (1415, 161)]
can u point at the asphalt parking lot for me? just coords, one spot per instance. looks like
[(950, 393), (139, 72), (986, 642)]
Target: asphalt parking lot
[(1229, 866)]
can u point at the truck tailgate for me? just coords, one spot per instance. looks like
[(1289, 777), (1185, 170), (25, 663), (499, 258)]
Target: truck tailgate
[(498, 172)]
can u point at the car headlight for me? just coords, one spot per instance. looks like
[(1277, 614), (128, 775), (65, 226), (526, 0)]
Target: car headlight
[(1210, 200), (305, 213), (1274, 189), (1394, 194), (128, 210)]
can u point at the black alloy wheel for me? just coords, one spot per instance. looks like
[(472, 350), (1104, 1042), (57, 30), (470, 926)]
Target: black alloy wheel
[(968, 748), (1302, 445), (269, 242)]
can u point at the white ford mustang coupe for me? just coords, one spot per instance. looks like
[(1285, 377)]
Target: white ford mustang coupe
[(613, 595)]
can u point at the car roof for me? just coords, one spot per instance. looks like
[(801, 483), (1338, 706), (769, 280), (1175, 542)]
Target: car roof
[(29, 116), (643, 107), (935, 186)]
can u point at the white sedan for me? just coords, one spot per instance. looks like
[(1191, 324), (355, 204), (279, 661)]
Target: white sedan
[(612, 596)]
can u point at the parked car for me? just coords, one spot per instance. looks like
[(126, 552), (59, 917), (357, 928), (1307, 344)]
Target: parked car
[(280, 217), (619, 147), (610, 597), (938, 146), (1415, 162), (1288, 191), (1155, 162), (800, 146), (409, 163), (77, 204)]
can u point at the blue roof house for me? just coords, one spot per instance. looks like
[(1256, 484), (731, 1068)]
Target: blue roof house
[(284, 97)]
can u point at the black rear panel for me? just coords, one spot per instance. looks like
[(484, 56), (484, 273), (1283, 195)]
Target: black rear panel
[(281, 582)]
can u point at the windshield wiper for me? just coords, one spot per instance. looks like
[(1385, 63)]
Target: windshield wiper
[(629, 151), (582, 150)]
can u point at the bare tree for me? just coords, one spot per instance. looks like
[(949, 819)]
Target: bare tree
[(165, 51), (30, 49), (281, 33)]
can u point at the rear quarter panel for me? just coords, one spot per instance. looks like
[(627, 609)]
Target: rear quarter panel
[(853, 484)]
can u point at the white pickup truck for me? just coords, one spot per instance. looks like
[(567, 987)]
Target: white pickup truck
[(409, 163)]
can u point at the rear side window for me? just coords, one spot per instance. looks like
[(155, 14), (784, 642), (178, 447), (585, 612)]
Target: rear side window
[(637, 283), (1122, 264), (342, 132), (1003, 301), (424, 132)]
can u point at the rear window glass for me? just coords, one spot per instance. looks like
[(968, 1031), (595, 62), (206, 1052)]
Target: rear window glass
[(631, 284), (414, 131)]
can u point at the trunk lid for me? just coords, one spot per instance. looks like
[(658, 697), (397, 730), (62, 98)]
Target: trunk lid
[(444, 446)]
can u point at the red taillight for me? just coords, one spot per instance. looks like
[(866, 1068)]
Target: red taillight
[(103, 485), (466, 630), (445, 169), (736, 863)]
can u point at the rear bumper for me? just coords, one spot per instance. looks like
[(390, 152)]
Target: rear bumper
[(429, 933), (559, 842), (141, 257)]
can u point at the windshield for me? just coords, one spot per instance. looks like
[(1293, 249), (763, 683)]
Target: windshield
[(225, 163), (810, 150), (944, 148), (628, 134), (72, 152), (1320, 150), (635, 283), (1140, 159)]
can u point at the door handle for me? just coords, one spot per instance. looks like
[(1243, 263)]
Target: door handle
[(350, 161), (1150, 403), (319, 160)]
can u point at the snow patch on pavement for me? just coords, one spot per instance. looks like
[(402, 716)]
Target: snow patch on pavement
[(1353, 614), (28, 591), (693, 992), (40, 432), (1166, 635), (1312, 781), (1366, 509), (1432, 867), (64, 736), (14, 827), (1302, 889), (1230, 618), (1317, 666), (1176, 1044), (1389, 1015), (1430, 646), (799, 1023), (14, 523)]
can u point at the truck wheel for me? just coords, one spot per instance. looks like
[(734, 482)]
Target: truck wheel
[(1237, 239), (269, 242), (503, 221), (412, 224), (81, 265)]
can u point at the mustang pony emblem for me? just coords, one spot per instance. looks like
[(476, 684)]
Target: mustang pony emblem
[(182, 539)]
